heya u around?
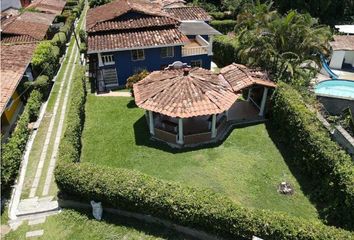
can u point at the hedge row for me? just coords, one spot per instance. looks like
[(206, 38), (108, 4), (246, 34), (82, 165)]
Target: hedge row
[(225, 50), (12, 151), (200, 209), (312, 151), (70, 145), (224, 26)]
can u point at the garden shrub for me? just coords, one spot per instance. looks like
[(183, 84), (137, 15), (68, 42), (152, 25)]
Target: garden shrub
[(83, 47), (201, 209), (33, 105), (225, 50), (135, 78), (218, 15), (224, 26), (82, 35), (45, 59), (12, 151), (60, 40), (315, 154)]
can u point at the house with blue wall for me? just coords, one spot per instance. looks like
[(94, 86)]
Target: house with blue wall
[(126, 37)]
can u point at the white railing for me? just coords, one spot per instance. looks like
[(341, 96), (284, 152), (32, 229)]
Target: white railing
[(190, 51)]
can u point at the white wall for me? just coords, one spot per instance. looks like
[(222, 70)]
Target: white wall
[(337, 59), (349, 57), (5, 4)]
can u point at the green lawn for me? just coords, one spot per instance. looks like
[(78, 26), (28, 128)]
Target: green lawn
[(247, 166), (70, 225)]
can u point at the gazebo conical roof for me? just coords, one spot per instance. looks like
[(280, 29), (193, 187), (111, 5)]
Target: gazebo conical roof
[(184, 93)]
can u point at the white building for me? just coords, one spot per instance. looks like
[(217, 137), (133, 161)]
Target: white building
[(343, 52)]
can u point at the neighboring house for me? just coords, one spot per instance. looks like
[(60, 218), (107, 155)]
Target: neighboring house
[(20, 34), (10, 4), (15, 67), (126, 37), (343, 52)]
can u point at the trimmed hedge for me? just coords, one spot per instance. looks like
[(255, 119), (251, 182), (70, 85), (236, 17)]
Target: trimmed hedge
[(224, 26), (70, 145), (200, 209), (315, 154), (12, 151), (225, 50)]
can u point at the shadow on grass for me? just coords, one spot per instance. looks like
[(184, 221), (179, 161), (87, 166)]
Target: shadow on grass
[(308, 186), (143, 138), (131, 104), (152, 229)]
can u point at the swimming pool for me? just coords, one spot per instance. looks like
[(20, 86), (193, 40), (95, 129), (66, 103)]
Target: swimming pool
[(336, 88)]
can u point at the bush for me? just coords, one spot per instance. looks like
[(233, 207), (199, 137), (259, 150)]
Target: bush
[(33, 105), (83, 47), (225, 50), (45, 59), (82, 35), (217, 15), (201, 209), (312, 151), (224, 26), (12, 151), (135, 78), (60, 40), (70, 145)]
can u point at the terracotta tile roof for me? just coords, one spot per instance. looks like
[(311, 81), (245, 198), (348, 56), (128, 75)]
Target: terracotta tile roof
[(188, 13), (17, 39), (49, 6), (117, 8), (240, 77), (135, 39), (177, 93), (33, 24), (14, 61), (143, 22), (342, 42), (171, 3)]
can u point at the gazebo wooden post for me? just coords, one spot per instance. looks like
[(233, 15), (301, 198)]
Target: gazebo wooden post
[(151, 123), (249, 94), (213, 126), (180, 131), (263, 103)]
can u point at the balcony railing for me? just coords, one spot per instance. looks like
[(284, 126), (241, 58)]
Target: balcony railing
[(190, 51)]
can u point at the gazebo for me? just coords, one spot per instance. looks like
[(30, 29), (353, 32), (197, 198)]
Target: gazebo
[(189, 106)]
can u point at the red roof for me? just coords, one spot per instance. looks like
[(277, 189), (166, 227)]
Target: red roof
[(184, 94), (14, 61), (188, 13), (117, 8), (32, 24), (240, 77), (342, 42), (135, 39), (48, 6), (142, 22)]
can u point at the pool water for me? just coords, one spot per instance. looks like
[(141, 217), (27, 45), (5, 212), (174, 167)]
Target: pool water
[(336, 88)]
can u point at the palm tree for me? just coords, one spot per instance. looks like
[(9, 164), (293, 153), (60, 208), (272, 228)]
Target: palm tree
[(286, 46)]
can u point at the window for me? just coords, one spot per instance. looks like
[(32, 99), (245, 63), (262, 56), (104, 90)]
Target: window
[(196, 63), (107, 59), (138, 55), (167, 52)]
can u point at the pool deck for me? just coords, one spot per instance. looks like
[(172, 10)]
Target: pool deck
[(346, 75)]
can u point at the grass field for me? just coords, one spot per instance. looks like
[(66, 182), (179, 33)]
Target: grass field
[(247, 167), (72, 225)]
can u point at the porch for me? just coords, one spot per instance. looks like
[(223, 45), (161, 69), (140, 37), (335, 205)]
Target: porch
[(197, 46)]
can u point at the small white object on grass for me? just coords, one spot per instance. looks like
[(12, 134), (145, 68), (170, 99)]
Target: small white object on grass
[(97, 210)]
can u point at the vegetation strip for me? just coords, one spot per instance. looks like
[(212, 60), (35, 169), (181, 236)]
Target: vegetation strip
[(329, 167)]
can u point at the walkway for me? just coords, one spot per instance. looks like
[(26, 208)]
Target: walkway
[(34, 195)]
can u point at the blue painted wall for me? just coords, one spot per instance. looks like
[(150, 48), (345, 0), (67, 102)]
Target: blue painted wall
[(126, 67)]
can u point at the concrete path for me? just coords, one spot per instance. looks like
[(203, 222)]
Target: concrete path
[(39, 205)]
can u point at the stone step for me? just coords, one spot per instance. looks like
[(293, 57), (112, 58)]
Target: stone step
[(37, 220), (41, 207), (36, 233)]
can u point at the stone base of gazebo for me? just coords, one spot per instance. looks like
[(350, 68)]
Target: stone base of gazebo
[(197, 132)]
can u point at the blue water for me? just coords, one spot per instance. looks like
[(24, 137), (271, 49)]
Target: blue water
[(336, 88)]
